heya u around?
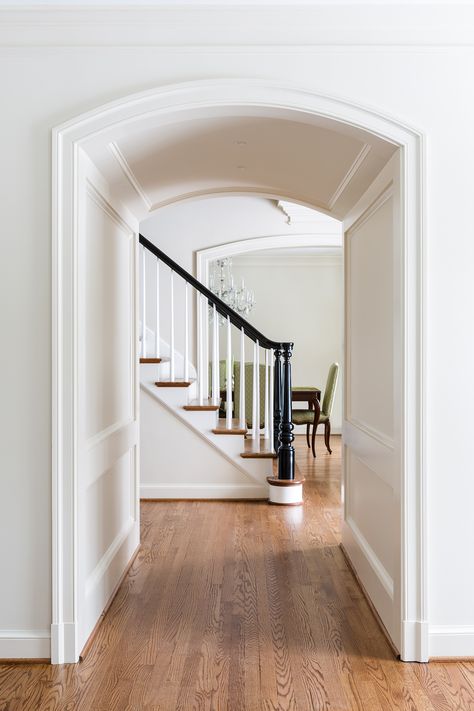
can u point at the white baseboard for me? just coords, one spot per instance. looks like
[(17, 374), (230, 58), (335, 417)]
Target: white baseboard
[(451, 641), (25, 644), (210, 491), (415, 641)]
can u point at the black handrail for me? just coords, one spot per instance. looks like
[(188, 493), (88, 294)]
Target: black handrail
[(220, 305)]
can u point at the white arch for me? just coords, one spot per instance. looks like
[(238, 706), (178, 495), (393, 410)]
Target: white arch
[(208, 97)]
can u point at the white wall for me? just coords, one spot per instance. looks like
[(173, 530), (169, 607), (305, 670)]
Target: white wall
[(55, 67), (300, 299)]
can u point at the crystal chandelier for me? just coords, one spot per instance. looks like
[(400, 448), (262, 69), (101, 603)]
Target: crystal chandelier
[(221, 283)]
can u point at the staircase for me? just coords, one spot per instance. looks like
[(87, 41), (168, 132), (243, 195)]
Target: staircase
[(187, 450)]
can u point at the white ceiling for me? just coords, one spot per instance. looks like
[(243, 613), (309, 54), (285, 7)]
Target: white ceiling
[(293, 156)]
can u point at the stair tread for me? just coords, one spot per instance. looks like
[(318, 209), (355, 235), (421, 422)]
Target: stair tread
[(257, 449), (177, 383), (151, 360), (206, 406), (235, 429)]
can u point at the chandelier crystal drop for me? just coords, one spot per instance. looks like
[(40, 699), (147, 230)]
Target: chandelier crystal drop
[(221, 283)]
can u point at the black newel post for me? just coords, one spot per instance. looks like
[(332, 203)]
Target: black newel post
[(286, 453), (277, 400)]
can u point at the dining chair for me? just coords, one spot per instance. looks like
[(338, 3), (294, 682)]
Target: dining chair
[(310, 417), (248, 387)]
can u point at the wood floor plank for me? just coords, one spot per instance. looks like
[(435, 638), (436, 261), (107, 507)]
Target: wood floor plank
[(241, 606)]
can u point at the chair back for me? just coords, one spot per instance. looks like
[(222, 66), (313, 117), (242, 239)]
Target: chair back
[(248, 386), (331, 383)]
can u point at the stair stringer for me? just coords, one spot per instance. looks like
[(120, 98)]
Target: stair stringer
[(178, 454)]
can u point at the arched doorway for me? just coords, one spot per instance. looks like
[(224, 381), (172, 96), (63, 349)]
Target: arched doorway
[(217, 100)]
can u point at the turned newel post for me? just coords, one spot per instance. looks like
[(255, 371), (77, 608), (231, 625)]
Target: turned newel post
[(277, 399), (286, 452)]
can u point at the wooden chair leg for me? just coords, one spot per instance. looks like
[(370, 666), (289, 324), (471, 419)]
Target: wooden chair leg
[(307, 435), (313, 439), (327, 435)]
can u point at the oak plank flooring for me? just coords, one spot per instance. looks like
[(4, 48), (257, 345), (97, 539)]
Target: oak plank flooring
[(241, 606)]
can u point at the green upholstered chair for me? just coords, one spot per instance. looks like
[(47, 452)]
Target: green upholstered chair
[(248, 392), (222, 384), (307, 417)]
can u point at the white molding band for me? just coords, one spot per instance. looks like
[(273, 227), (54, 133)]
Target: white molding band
[(290, 494), (451, 641), (322, 242), (25, 644), (319, 25), (211, 96), (203, 491)]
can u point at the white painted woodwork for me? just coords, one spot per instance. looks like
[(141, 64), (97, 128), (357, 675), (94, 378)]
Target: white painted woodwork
[(143, 302), (107, 443), (172, 348), (275, 100), (243, 421), (228, 374), (157, 309), (186, 331), (285, 495), (215, 357), (205, 465), (266, 410), (373, 396), (200, 327)]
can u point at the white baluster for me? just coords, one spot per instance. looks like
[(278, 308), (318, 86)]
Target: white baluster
[(157, 325), (229, 376), (266, 418), (243, 421), (172, 368), (200, 350), (206, 348), (256, 393), (270, 418), (257, 388), (186, 331), (143, 302), (215, 357)]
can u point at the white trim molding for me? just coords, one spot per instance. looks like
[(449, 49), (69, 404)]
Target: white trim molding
[(25, 644), (451, 641), (210, 96), (320, 243)]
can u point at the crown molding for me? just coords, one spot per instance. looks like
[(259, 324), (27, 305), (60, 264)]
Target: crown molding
[(291, 261), (129, 174), (359, 159), (320, 24)]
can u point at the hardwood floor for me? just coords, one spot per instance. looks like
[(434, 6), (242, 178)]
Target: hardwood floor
[(241, 607)]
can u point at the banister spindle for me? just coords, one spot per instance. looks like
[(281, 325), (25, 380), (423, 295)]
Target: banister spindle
[(286, 453), (205, 372), (256, 392), (271, 432), (215, 357), (277, 402), (186, 332), (228, 376), (243, 419), (157, 323), (143, 295), (266, 417), (199, 305), (172, 358)]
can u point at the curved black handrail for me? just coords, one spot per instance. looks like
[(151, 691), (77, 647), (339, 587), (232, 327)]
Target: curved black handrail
[(220, 305)]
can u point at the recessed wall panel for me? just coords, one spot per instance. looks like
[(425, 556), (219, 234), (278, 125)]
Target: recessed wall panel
[(370, 299), (108, 320)]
